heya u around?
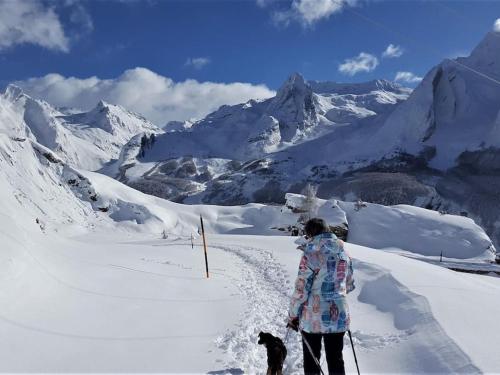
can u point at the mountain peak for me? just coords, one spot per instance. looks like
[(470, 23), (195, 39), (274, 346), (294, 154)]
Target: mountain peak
[(488, 46), (485, 56), (296, 77), (293, 106), (294, 86), (12, 92), (295, 81), (101, 105), (385, 84)]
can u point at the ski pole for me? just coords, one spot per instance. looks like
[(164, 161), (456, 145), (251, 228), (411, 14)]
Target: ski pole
[(353, 351), (204, 244), (311, 352), (286, 335)]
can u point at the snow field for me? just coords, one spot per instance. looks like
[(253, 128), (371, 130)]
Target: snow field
[(90, 291), (133, 303), (80, 310)]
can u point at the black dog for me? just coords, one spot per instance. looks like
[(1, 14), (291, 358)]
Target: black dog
[(276, 353)]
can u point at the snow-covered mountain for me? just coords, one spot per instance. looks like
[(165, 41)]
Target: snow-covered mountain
[(87, 140), (299, 112), (450, 126), (454, 109), (210, 160), (436, 147)]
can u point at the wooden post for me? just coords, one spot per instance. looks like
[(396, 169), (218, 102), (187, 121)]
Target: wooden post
[(204, 244)]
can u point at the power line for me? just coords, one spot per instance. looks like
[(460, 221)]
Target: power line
[(411, 40)]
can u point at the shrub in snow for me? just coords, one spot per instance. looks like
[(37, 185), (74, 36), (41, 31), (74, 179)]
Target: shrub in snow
[(359, 205)]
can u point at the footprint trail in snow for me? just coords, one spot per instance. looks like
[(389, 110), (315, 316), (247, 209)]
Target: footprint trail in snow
[(265, 288)]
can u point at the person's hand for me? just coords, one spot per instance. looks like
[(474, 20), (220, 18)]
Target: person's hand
[(293, 323), (301, 243)]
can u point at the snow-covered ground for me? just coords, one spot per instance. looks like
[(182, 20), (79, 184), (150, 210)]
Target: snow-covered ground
[(87, 284), (135, 302)]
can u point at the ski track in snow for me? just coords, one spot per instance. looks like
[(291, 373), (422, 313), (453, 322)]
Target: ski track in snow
[(265, 287)]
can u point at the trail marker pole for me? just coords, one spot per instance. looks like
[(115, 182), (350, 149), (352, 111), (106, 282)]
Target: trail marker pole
[(192, 244), (204, 244)]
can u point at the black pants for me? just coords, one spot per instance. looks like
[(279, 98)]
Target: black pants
[(334, 343)]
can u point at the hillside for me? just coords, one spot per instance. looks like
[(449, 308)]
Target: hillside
[(87, 139), (234, 154), (62, 295)]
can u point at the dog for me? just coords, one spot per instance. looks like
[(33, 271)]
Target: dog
[(276, 353)]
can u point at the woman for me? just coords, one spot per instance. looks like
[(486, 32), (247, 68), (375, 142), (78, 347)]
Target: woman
[(319, 304)]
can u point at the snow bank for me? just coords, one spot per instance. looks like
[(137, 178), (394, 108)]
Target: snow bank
[(417, 230)]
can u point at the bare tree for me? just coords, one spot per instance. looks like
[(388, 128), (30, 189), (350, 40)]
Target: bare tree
[(311, 204)]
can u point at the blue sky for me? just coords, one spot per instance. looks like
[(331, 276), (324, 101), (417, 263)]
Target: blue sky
[(251, 41)]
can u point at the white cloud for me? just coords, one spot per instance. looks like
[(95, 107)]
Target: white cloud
[(407, 77), (197, 62), (264, 3), (496, 26), (364, 62), (30, 21), (81, 17), (157, 97), (393, 51), (308, 12)]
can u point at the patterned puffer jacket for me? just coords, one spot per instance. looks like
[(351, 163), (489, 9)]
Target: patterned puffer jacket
[(325, 277)]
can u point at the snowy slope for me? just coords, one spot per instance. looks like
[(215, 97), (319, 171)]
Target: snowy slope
[(47, 194), (114, 301), (296, 114), (454, 109), (86, 140), (452, 120), (280, 139), (117, 304), (417, 230), (60, 197)]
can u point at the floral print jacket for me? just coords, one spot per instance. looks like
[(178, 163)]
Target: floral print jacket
[(325, 277)]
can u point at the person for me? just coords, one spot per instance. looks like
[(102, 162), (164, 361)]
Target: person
[(319, 306)]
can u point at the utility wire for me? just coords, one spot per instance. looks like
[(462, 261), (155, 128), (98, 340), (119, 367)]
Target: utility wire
[(411, 40)]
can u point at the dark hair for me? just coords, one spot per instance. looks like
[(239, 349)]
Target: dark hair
[(315, 226)]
